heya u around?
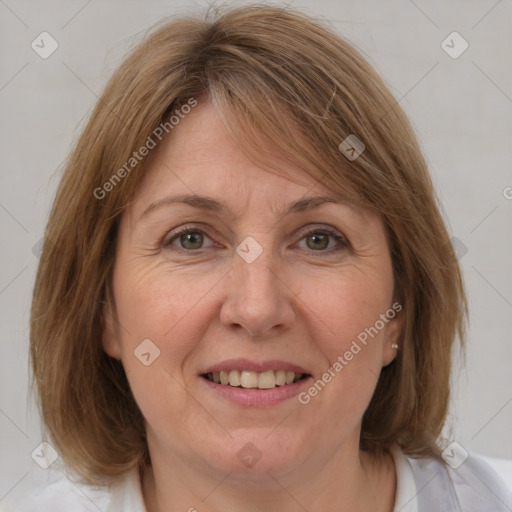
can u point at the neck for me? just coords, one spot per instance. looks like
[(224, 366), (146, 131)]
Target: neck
[(348, 481)]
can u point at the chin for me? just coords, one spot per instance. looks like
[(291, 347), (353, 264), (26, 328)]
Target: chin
[(257, 456)]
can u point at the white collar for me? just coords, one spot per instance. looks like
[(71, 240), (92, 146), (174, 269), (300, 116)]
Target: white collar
[(126, 496), (406, 491)]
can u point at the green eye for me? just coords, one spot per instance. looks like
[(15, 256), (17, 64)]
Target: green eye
[(192, 240), (188, 239), (320, 241)]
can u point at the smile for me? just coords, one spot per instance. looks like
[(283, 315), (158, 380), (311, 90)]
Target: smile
[(250, 380)]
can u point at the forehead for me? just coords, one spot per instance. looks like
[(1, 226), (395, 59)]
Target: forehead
[(199, 157)]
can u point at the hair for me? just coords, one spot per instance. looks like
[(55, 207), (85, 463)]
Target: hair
[(279, 79)]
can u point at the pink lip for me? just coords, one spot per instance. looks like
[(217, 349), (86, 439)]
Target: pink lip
[(252, 366), (257, 397)]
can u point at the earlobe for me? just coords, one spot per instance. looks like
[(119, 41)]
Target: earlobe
[(109, 339), (392, 343)]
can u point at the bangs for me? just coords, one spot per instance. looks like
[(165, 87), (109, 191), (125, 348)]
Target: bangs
[(273, 134)]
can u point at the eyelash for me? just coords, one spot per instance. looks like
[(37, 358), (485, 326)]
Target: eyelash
[(343, 243)]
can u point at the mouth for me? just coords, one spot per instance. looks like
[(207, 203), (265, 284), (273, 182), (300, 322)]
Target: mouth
[(248, 379), (248, 383)]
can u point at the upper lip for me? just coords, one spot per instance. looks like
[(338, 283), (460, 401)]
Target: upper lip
[(254, 366)]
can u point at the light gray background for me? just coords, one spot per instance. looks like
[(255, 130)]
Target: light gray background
[(461, 109)]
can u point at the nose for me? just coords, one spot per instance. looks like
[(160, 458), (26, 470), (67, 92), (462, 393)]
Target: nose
[(258, 301)]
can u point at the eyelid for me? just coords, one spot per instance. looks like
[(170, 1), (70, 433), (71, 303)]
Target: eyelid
[(320, 228)]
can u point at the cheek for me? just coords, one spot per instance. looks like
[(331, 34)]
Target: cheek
[(172, 309), (350, 334), (157, 304), (163, 316), (347, 307)]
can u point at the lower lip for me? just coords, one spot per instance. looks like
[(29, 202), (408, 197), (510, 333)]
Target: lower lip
[(251, 397)]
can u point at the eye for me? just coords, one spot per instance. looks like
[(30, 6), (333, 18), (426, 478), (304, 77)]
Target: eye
[(317, 240), (324, 240), (189, 239)]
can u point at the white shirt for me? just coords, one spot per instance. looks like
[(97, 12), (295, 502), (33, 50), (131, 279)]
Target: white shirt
[(405, 499), (423, 485)]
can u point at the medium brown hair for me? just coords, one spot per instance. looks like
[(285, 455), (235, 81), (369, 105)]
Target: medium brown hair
[(276, 76)]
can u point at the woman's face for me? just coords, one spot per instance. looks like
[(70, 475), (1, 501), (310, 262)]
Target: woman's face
[(267, 281)]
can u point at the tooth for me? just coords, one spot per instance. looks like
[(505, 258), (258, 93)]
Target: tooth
[(234, 378), (289, 377), (280, 378), (249, 379), (267, 380)]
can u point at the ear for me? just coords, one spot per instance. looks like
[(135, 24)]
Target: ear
[(393, 336), (110, 333)]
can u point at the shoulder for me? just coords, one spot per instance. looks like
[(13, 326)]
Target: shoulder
[(62, 494), (463, 481)]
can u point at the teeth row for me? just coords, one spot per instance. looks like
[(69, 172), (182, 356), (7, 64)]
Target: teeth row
[(246, 379)]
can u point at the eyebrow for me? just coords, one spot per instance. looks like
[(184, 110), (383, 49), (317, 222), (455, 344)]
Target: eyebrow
[(209, 204)]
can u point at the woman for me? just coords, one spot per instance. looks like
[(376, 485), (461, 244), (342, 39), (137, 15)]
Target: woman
[(247, 298)]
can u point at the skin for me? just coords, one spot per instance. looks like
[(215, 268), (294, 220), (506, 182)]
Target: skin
[(299, 301)]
